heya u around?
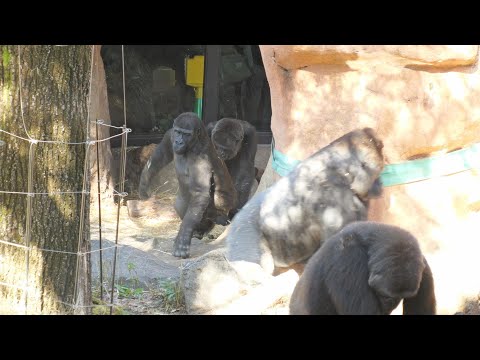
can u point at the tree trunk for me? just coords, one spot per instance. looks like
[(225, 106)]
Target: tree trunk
[(54, 88)]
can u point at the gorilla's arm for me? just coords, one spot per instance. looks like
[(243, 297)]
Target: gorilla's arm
[(424, 302), (200, 182), (162, 155), (246, 175), (347, 282), (225, 197)]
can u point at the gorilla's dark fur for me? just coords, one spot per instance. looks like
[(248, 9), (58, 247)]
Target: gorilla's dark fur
[(288, 222), (206, 192), (366, 268), (236, 143)]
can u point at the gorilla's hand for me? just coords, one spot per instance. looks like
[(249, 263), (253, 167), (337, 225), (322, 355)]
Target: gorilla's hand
[(222, 219)]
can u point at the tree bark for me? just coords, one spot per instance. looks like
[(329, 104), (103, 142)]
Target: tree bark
[(54, 86)]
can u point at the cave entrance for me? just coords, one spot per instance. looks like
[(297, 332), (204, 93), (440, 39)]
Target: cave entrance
[(235, 85)]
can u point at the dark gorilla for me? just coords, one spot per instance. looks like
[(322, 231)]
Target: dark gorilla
[(366, 268), (285, 224), (236, 143), (206, 193)]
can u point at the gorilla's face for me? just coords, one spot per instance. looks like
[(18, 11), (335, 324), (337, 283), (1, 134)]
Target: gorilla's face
[(181, 140), (227, 137), (358, 156), (227, 146), (369, 151), (186, 131)]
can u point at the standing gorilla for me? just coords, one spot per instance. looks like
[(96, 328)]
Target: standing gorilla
[(288, 222), (366, 268), (206, 192), (236, 144)]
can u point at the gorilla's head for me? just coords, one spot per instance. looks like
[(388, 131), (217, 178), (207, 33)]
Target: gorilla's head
[(369, 164), (358, 154), (227, 137), (186, 133)]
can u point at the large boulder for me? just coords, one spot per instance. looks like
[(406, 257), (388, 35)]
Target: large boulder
[(213, 285)]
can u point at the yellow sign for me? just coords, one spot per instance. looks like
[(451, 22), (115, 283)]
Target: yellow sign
[(194, 71)]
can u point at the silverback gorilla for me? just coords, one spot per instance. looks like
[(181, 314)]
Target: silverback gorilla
[(236, 144), (366, 268), (288, 222), (206, 193)]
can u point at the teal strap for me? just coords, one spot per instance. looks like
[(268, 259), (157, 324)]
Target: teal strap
[(408, 171), (433, 166), (281, 163)]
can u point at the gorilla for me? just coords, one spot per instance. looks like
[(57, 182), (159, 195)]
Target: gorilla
[(285, 224), (366, 268), (236, 143), (206, 192)]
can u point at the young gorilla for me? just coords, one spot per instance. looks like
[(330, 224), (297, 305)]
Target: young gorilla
[(206, 192), (287, 223), (236, 144), (366, 268)]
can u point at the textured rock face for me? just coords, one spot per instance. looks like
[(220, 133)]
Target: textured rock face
[(420, 100), (298, 56)]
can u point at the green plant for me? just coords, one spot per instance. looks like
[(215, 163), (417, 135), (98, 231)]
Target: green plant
[(171, 295), (128, 292), (133, 273), (131, 267)]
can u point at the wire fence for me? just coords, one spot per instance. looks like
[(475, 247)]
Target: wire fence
[(30, 194)]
